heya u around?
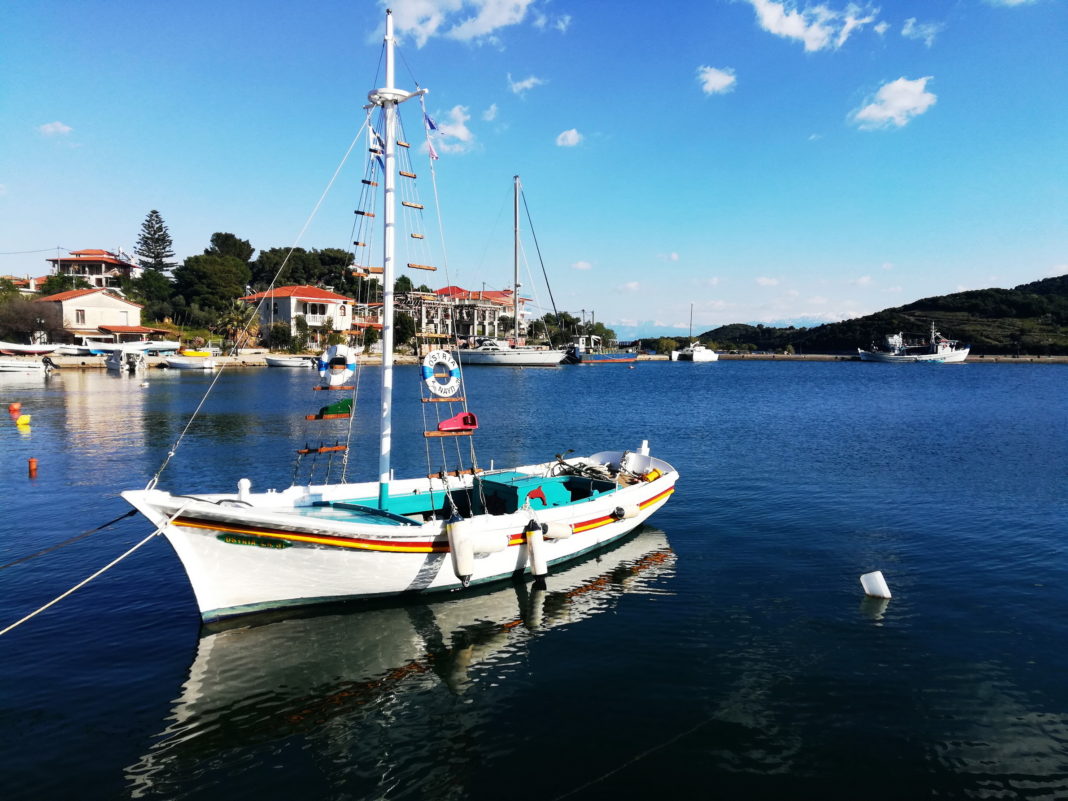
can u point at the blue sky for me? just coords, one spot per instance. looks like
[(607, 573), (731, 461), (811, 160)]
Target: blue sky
[(765, 161)]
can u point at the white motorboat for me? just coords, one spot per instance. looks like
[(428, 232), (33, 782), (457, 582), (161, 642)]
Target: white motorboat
[(504, 354), (190, 362), (126, 360), (452, 526), (289, 361), (937, 349), (15, 349)]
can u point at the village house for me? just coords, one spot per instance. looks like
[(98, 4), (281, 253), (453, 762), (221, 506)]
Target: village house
[(324, 310), (99, 315), (100, 268), (457, 312)]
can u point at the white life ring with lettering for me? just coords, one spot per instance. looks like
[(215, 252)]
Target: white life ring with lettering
[(433, 378)]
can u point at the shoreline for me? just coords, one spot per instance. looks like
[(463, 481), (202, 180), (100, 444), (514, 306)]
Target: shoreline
[(256, 359)]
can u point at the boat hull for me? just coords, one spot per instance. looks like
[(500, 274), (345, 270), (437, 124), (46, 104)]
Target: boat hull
[(189, 362), (697, 356), (947, 357), (252, 552), (288, 361), (16, 365), (510, 358)]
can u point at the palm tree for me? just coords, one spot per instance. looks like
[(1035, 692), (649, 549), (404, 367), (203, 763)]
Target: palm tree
[(238, 324)]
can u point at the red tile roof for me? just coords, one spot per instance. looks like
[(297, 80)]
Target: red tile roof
[(302, 292), (127, 329), (92, 255), (71, 294)]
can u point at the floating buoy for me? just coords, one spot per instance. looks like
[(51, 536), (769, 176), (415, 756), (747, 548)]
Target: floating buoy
[(31, 465), (875, 585), (14, 408), (23, 420)]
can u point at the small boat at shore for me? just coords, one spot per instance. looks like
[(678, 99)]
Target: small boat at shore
[(126, 360), (452, 525), (186, 362), (289, 361), (937, 349), (26, 365), (15, 349)]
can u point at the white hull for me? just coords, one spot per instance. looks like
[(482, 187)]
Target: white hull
[(945, 357), (512, 357), (190, 362), (697, 354), (27, 350), (15, 365), (288, 361), (277, 549)]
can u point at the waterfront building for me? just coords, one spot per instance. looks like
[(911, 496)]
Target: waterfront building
[(100, 268)]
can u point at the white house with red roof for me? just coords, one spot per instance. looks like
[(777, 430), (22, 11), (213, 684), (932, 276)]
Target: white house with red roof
[(96, 312), (325, 311), (100, 268)]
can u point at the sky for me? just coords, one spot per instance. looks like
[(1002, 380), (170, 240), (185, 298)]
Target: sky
[(752, 161)]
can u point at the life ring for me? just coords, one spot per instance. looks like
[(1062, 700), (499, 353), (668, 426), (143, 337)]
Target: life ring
[(443, 389), (337, 365)]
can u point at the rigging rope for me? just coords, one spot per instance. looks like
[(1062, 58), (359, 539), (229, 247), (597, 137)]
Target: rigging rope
[(69, 541)]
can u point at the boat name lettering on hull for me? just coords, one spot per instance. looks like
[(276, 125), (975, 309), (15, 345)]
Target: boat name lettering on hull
[(247, 539)]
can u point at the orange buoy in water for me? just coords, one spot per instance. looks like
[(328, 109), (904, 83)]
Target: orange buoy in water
[(14, 408), (32, 465)]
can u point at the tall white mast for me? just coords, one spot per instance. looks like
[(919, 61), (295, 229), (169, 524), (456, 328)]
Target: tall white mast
[(388, 97), (515, 261)]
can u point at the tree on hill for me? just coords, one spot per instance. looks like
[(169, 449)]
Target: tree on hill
[(54, 284), (211, 282), (154, 291), (154, 245), (23, 320)]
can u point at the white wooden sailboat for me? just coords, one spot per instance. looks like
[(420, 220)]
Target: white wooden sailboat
[(496, 352), (445, 530)]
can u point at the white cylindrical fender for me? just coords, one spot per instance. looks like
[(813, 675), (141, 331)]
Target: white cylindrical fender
[(556, 531), (244, 487), (536, 556), (463, 556), (875, 585), (485, 542), (626, 512)]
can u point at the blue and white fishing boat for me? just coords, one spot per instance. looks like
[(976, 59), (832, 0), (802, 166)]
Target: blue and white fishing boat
[(452, 526), (937, 349)]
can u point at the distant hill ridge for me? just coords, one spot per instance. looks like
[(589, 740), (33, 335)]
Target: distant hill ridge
[(1028, 319)]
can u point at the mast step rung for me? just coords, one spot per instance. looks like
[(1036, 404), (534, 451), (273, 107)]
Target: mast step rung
[(347, 386), (472, 471), (402, 144), (364, 213), (374, 150), (406, 174), (326, 416), (457, 399), (360, 244), (421, 267), (323, 449), (429, 434), (370, 183), (416, 236), (411, 205)]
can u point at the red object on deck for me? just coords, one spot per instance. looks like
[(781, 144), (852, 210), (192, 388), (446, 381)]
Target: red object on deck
[(464, 421)]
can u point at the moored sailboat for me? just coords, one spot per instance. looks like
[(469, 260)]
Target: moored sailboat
[(447, 529)]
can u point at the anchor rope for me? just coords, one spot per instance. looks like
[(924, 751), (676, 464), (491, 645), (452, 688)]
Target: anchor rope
[(100, 572), (67, 542)]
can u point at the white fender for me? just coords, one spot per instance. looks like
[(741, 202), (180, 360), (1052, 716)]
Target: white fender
[(463, 556), (536, 556), (484, 542), (626, 512), (556, 531)]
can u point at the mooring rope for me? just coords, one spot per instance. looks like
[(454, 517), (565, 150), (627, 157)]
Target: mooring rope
[(100, 572), (67, 542)]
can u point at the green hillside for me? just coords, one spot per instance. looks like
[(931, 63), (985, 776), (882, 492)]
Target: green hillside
[(1029, 319)]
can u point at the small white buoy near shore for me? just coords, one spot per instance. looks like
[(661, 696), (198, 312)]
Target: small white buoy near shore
[(875, 585)]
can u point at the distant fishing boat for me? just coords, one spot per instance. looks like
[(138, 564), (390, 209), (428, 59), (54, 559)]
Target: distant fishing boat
[(937, 349), (498, 352), (453, 525)]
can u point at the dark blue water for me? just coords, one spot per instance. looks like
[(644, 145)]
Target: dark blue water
[(725, 652)]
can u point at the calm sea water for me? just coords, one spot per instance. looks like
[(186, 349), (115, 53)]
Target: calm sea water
[(727, 651)]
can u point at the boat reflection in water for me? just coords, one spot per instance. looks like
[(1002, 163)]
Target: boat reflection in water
[(371, 679)]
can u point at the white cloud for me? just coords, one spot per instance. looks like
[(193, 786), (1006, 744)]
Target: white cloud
[(864, 280), (542, 21), (1010, 3), (569, 138), (456, 137), (673, 256), (818, 300), (895, 104), (581, 265), (716, 81), (887, 265), (519, 87), (465, 20), (765, 281), (923, 31), (818, 26), (710, 282), (54, 129), (630, 286), (1060, 269), (881, 28), (562, 23), (490, 114), (892, 290)]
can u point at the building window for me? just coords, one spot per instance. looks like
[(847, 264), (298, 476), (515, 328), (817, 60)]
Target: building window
[(341, 310), (79, 316)]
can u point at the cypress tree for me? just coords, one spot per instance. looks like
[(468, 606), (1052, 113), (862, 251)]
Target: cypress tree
[(154, 244)]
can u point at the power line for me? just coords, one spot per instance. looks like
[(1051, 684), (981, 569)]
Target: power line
[(24, 252)]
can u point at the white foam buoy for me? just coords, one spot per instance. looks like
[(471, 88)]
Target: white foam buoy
[(875, 585)]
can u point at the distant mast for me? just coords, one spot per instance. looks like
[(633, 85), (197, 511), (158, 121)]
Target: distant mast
[(388, 97), (515, 261)]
